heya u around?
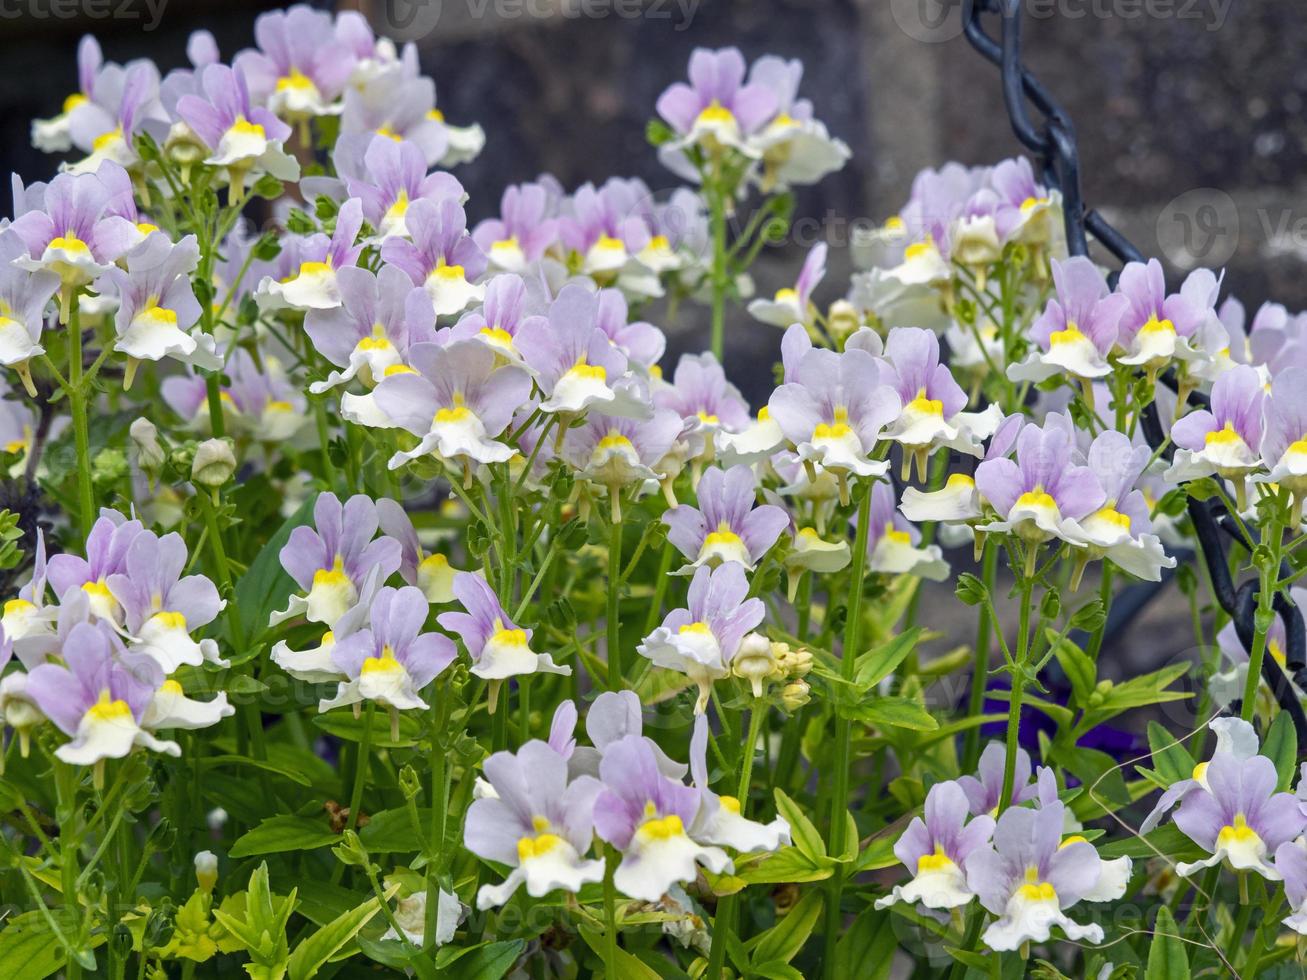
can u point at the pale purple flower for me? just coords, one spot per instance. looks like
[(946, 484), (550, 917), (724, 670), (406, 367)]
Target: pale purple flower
[(523, 231), (1227, 439), (1239, 817), (1272, 340), (105, 128), (1284, 437), (792, 304), (985, 788), (96, 700), (509, 306), (499, 648), (606, 229), (612, 716), (330, 560), (432, 572), (834, 411), (727, 525), (796, 148), (1028, 876), (53, 135), (312, 284), (457, 401), (641, 342), (300, 67), (646, 816), (701, 394), (1078, 328), (1291, 863), (1234, 737), (894, 543), (701, 640), (391, 660), (718, 820), (1043, 488), (573, 363), (161, 607), (24, 297), (379, 318), (615, 452), (537, 822), (107, 546), (935, 850), (400, 104), (1155, 326), (395, 177), (1025, 207), (442, 257), (315, 664)]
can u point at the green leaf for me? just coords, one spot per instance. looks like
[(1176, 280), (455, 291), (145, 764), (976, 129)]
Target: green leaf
[(784, 940), (628, 966), (775, 970), (802, 832), (866, 949), (1170, 758), (1167, 959), (878, 854), (314, 951), (879, 662), (789, 864), (1168, 841), (214, 761), (284, 833), (392, 830), (1281, 747), (1138, 692), (344, 725), (894, 711), (265, 587), (1079, 668), (28, 949)]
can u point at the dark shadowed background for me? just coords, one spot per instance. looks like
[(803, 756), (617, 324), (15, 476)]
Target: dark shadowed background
[(1190, 115)]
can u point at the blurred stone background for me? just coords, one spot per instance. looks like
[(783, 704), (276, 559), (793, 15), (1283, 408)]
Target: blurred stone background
[(1190, 115)]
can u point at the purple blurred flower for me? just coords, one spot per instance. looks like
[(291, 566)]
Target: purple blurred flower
[(442, 257), (395, 176), (984, 789), (793, 304), (107, 546), (523, 231), (300, 68), (701, 394), (615, 452)]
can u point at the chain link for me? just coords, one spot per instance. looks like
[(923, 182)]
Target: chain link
[(1054, 145)]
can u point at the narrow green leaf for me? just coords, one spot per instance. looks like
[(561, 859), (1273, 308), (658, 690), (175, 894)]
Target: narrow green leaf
[(802, 832), (879, 662), (1079, 668), (895, 711), (1167, 959), (1281, 747), (789, 864), (313, 951), (1170, 758), (866, 949), (284, 833), (784, 940)]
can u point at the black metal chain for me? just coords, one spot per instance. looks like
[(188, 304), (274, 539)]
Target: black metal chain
[(1054, 144)]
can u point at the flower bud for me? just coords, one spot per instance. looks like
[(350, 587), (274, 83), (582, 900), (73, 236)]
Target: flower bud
[(149, 452), (754, 661), (842, 319), (791, 663), (206, 870), (214, 463), (108, 467), (795, 695)]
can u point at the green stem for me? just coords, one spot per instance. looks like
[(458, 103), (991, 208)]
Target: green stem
[(980, 667), (610, 914), (1014, 700), (439, 822), (66, 779), (717, 218), (1270, 571), (1105, 597), (213, 392), (77, 406), (614, 622), (844, 732), (360, 777), (757, 716), (660, 587)]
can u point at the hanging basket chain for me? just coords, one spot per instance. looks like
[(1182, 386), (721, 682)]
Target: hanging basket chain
[(1054, 144)]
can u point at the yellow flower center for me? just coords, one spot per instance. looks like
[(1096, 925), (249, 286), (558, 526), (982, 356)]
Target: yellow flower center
[(377, 340), (386, 663), (926, 406), (1071, 335), (333, 576), (615, 440), (244, 127), (106, 140), (721, 538), (702, 628), (110, 709), (1037, 498), (170, 620), (458, 412), (935, 861), (714, 113), (1154, 325), (896, 536), (662, 828), (729, 803), (591, 372), (1035, 890), (538, 846), (837, 428), (957, 481), (17, 607), (1113, 516), (70, 243), (1223, 437), (787, 295), (1237, 832), (73, 101), (295, 81), (389, 133), (96, 590)]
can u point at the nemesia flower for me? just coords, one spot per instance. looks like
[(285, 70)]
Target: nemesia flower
[(796, 148), (330, 560), (1078, 328), (411, 916), (1228, 685), (95, 700), (646, 815), (498, 647), (522, 232), (932, 414), (1043, 489), (242, 138), (395, 176), (313, 285), (959, 501), (442, 257), (431, 573), (161, 607), (641, 342), (613, 715), (399, 104), (984, 789), (537, 822), (715, 111), (835, 411), (315, 665), (604, 229), (107, 546), (935, 851), (457, 400), (157, 306), (615, 452), (1156, 327), (1121, 530), (1029, 876), (893, 544), (718, 820), (726, 526), (27, 620), (810, 552), (1226, 440), (793, 304), (701, 640), (54, 135), (1284, 435), (703, 397), (573, 364), (109, 131), (1239, 817), (508, 307), (23, 299), (1291, 863), (391, 659), (1234, 737), (379, 318), (171, 708), (300, 68)]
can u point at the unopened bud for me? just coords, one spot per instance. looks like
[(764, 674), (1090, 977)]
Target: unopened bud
[(791, 663), (108, 467), (206, 870), (842, 319), (214, 463), (754, 661), (795, 695), (149, 452)]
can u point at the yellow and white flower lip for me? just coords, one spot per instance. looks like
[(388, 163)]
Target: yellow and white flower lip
[(812, 552), (753, 444), (582, 386), (507, 254), (658, 255), (241, 145), (279, 421), (171, 708), (110, 146), (615, 462), (1113, 879), (435, 577), (546, 862), (1035, 517), (164, 637), (1030, 916), (68, 257), (922, 423), (937, 884), (102, 602), (296, 97), (456, 432), (661, 854), (411, 916), (922, 265), (724, 826), (957, 500), (450, 290), (314, 665), (1241, 846), (24, 620), (975, 240), (507, 653), (465, 143), (720, 545), (1290, 470), (895, 554), (364, 410), (54, 135), (332, 594), (108, 730), (780, 311), (607, 254), (153, 335)]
